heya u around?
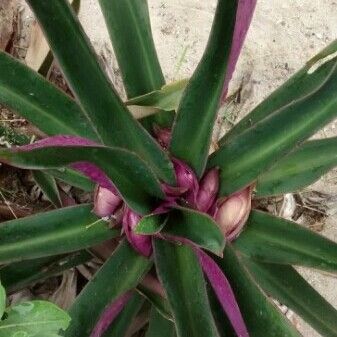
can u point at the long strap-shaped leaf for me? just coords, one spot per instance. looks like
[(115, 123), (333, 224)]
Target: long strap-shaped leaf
[(183, 280), (159, 326), (48, 186), (244, 15), (299, 85), (40, 102), (120, 273), (39, 56), (300, 168), (129, 26), (249, 154), (19, 275), (132, 177), (193, 126), (157, 300), (112, 120), (73, 178), (260, 315), (122, 323), (285, 284), (51, 233), (264, 239)]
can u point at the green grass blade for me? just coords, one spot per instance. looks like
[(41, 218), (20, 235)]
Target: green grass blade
[(132, 177), (122, 272), (199, 104), (122, 323), (275, 240), (19, 275), (182, 277), (159, 326), (51, 233), (299, 85), (286, 285), (261, 316), (40, 102), (299, 168), (48, 186), (249, 154), (111, 119), (129, 26)]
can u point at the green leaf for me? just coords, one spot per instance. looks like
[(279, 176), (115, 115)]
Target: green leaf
[(2, 300), (122, 272), (200, 102), (40, 102), (122, 323), (112, 120), (182, 277), (34, 319), (185, 223), (167, 98), (299, 85), (39, 56), (221, 320), (19, 275), (299, 168), (159, 302), (132, 177), (247, 155), (286, 285), (73, 178), (197, 227), (260, 315), (48, 186), (272, 239), (151, 224), (51, 233), (129, 26), (159, 326)]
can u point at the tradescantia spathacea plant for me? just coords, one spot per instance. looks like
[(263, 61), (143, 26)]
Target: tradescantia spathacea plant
[(193, 258)]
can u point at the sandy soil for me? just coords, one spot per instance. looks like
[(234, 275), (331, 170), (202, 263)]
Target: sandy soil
[(283, 36)]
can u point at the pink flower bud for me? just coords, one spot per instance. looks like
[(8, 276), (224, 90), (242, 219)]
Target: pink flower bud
[(208, 190), (186, 179), (163, 136), (233, 212), (105, 202), (141, 243)]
